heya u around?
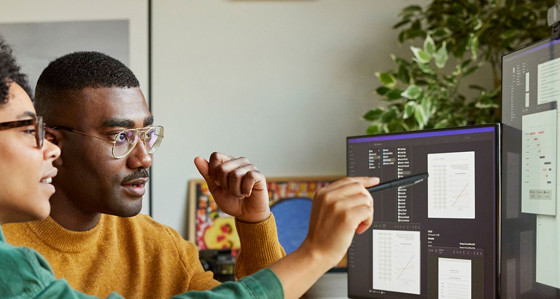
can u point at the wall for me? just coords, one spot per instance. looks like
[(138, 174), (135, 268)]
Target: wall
[(280, 82)]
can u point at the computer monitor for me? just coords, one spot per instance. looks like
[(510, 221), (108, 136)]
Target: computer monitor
[(437, 238), (530, 212)]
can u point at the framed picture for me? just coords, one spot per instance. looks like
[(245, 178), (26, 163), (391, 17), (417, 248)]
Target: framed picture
[(290, 202)]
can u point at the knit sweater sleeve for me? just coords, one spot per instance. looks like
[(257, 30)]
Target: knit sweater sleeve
[(260, 246)]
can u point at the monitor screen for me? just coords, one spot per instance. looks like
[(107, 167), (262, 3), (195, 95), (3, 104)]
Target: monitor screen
[(437, 238), (530, 213)]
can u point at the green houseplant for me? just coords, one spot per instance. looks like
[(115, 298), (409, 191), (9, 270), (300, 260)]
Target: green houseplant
[(427, 90)]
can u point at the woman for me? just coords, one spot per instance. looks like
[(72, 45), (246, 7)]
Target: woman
[(27, 170)]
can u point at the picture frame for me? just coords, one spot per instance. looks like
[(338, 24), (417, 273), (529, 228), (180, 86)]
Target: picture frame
[(290, 202)]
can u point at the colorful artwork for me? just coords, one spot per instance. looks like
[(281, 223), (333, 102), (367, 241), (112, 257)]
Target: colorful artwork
[(290, 201)]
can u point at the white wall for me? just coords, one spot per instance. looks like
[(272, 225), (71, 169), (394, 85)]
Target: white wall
[(134, 11), (280, 82)]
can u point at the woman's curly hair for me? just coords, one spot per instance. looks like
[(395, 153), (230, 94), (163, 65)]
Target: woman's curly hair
[(10, 72)]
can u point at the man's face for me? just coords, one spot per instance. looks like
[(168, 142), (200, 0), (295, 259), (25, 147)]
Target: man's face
[(89, 175)]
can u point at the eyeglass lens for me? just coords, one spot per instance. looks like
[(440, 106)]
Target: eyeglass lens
[(127, 139), (37, 122), (40, 131)]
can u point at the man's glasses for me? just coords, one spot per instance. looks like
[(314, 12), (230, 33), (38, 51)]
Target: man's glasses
[(37, 122), (125, 141)]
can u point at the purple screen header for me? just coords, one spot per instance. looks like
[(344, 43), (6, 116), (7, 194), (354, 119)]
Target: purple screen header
[(529, 49), (411, 135)]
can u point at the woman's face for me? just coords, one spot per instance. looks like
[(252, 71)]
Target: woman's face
[(26, 171)]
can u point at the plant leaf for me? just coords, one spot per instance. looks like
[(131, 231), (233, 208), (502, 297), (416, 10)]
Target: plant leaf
[(403, 74), (402, 35), (394, 126), (382, 90), (495, 92), (441, 124), (409, 108), (473, 42), (394, 94), (421, 55), (427, 105), (509, 33), (424, 67), (389, 115), (401, 23), (441, 56), (477, 87), (411, 9), (420, 117), (373, 114), (440, 32), (477, 24), (387, 79), (486, 103), (373, 129), (470, 70), (429, 45), (412, 92)]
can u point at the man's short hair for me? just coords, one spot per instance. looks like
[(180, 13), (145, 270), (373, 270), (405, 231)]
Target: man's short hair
[(79, 70), (10, 72)]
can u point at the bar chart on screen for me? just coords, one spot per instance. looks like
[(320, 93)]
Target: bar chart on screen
[(539, 163)]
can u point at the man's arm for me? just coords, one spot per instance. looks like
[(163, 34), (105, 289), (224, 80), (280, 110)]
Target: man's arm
[(260, 246), (239, 189)]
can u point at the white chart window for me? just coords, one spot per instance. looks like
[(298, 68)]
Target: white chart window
[(454, 278), (548, 260), (396, 261), (548, 88), (538, 169), (451, 185)]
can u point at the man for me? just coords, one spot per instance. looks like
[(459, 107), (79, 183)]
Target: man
[(94, 236)]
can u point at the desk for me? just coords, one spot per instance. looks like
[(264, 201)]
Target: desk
[(330, 285)]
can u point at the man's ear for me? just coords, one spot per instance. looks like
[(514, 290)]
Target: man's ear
[(56, 138)]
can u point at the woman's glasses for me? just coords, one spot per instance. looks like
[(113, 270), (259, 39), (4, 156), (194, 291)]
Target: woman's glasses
[(125, 141), (37, 122)]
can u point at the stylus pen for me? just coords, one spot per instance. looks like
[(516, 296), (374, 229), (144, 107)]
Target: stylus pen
[(402, 182)]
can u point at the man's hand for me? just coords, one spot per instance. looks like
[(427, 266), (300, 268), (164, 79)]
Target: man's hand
[(338, 211), (238, 188)]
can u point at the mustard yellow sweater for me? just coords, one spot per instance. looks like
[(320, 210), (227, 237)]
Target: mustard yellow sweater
[(138, 257)]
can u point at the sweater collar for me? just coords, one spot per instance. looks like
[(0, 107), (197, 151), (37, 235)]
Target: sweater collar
[(62, 239)]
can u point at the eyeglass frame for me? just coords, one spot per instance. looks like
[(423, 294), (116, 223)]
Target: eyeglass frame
[(37, 122), (114, 142)]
